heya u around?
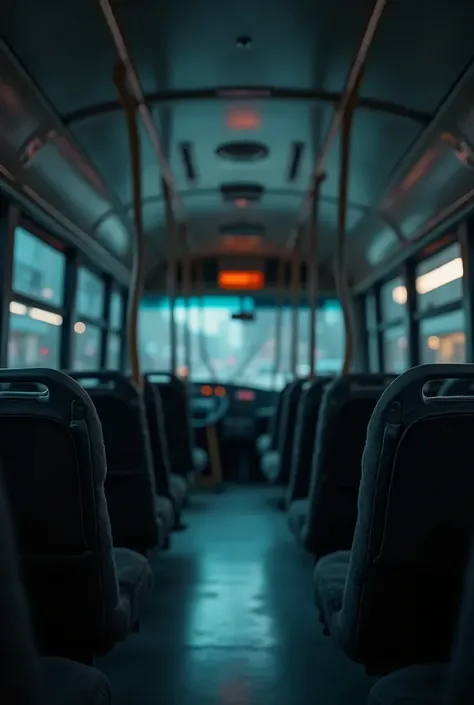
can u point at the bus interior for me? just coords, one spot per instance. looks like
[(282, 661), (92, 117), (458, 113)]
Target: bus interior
[(236, 352)]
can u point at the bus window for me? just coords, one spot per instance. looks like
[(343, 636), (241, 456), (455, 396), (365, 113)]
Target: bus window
[(238, 351), (38, 269), (442, 338), (34, 335), (393, 297), (439, 279), (395, 348), (87, 329), (371, 327), (113, 351)]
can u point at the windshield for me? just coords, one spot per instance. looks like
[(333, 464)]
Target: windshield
[(242, 352)]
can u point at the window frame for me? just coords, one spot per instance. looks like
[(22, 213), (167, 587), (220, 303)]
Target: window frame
[(74, 259), (32, 301), (413, 316)]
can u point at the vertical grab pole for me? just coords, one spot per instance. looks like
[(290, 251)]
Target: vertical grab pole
[(138, 268), (171, 273), (295, 295), (340, 270), (186, 295), (313, 276), (278, 319)]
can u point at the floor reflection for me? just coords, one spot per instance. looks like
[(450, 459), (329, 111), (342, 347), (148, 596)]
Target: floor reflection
[(228, 606)]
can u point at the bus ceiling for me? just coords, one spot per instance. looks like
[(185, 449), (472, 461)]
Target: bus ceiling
[(233, 168)]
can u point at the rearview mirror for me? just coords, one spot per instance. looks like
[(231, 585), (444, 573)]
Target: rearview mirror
[(243, 316)]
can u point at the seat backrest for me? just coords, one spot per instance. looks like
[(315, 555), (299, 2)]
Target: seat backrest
[(177, 421), (158, 442), (54, 470), (20, 682), (286, 432), (415, 517), (276, 418), (130, 481), (305, 436), (335, 474), (460, 680)]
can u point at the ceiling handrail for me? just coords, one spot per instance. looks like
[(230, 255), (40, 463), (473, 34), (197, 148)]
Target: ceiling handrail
[(143, 109), (338, 116)]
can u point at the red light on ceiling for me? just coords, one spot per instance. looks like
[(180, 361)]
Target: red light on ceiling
[(243, 120), (250, 280), (241, 203)]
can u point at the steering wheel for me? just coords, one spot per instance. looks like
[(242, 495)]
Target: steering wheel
[(207, 410)]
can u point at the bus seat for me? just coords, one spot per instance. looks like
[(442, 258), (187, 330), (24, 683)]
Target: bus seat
[(297, 515), (276, 418), (270, 461), (416, 685), (264, 443), (177, 423), (276, 466), (27, 679), (65, 682), (414, 521), (130, 481), (168, 484), (200, 459), (288, 427), (55, 480), (329, 579), (335, 475), (305, 435)]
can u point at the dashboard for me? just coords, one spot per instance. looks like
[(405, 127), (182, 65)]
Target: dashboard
[(236, 408)]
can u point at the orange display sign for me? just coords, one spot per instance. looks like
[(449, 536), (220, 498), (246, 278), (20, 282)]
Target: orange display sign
[(243, 280)]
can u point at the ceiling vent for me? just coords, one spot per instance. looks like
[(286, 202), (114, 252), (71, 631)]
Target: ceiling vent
[(245, 151), (242, 192), (297, 149), (187, 158)]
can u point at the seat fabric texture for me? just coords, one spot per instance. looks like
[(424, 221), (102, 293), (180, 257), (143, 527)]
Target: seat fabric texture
[(297, 515), (165, 512), (178, 489), (135, 580), (264, 443), (413, 530), (415, 685), (329, 581), (27, 679), (70, 683), (336, 468), (270, 465), (305, 439)]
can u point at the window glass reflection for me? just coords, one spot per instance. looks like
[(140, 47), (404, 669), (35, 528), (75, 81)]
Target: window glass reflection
[(90, 294), (113, 351), (116, 310), (443, 338), (373, 353), (233, 350), (439, 278), (393, 297), (34, 337), (86, 347), (38, 269), (395, 344)]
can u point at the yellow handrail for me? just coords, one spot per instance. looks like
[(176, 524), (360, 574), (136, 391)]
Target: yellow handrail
[(138, 266), (340, 272)]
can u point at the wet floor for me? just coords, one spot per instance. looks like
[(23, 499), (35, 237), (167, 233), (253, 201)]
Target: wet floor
[(231, 620)]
